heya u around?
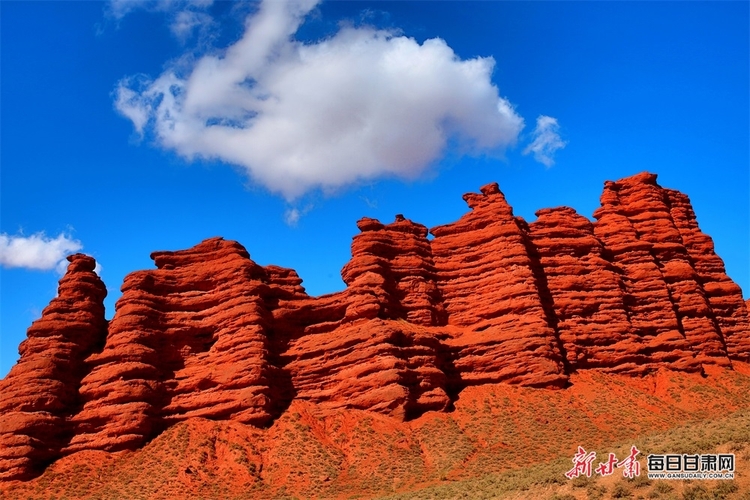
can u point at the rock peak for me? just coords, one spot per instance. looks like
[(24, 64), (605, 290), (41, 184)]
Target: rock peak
[(80, 262), (490, 189), (640, 178), (39, 396), (489, 194)]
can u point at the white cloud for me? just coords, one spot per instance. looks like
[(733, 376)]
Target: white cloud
[(546, 140), (291, 217), (361, 104), (121, 8), (187, 21), (36, 251), (186, 16), (131, 106)]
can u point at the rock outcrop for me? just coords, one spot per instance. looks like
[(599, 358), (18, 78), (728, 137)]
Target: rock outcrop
[(644, 207), (725, 305), (588, 299), (490, 283), (392, 264), (40, 394), (189, 339), (489, 299)]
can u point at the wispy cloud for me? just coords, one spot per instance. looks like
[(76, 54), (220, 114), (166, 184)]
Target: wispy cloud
[(362, 104), (127, 102), (546, 140), (186, 22), (293, 215), (37, 251), (186, 16), (121, 8)]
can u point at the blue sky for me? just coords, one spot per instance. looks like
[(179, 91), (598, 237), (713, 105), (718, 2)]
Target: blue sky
[(129, 127)]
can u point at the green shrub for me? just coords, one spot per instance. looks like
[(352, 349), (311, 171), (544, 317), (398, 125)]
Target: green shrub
[(581, 481), (660, 488), (723, 489), (621, 491), (697, 492), (595, 492)]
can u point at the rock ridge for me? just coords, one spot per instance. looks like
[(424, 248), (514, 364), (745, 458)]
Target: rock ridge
[(490, 298)]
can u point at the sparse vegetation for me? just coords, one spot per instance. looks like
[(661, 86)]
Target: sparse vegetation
[(484, 449), (660, 489), (595, 492), (696, 492)]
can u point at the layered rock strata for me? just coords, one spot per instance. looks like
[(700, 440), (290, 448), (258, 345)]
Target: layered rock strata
[(40, 394), (487, 281), (489, 299), (393, 270), (725, 305), (644, 207), (188, 339), (587, 292)]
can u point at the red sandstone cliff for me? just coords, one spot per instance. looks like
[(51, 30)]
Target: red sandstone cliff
[(490, 299), (40, 394)]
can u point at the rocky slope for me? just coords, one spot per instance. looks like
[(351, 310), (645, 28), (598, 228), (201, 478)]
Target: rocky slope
[(489, 299), (314, 452)]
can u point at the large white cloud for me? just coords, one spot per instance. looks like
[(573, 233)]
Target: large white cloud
[(546, 140), (361, 104), (36, 251)]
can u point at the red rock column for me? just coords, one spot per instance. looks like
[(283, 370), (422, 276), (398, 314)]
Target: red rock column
[(644, 202), (363, 358), (587, 293), (647, 297), (123, 391), (489, 289), (393, 265), (187, 339), (724, 296), (41, 390)]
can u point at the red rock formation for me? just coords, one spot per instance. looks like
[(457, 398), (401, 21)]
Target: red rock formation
[(351, 357), (587, 294), (392, 269), (647, 297), (646, 206), (187, 339), (730, 312), (41, 390), (384, 366), (489, 288), (209, 333)]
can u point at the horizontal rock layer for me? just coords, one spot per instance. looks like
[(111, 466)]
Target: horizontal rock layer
[(40, 395), (489, 299)]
